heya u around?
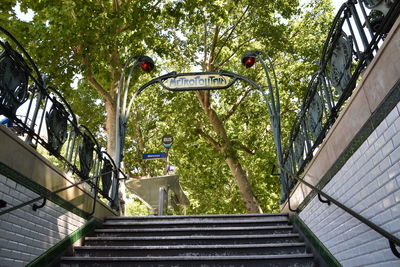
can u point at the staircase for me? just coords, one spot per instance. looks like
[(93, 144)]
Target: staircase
[(204, 240)]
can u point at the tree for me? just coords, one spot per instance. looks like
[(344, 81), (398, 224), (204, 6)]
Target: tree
[(215, 32), (219, 134), (92, 39)]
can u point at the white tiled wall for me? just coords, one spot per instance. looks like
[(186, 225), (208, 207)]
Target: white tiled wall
[(26, 234), (369, 183)]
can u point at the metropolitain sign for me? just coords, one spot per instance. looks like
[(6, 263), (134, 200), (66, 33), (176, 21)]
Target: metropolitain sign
[(197, 82)]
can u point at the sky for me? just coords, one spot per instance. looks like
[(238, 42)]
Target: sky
[(337, 4)]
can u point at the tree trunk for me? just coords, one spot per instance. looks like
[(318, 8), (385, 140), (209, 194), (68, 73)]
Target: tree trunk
[(226, 148), (110, 125), (244, 185)]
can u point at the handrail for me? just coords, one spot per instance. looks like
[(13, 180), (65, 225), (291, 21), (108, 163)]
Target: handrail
[(391, 238), (49, 121), (352, 42), (47, 195)]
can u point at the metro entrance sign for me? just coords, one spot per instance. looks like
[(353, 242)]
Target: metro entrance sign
[(192, 82)]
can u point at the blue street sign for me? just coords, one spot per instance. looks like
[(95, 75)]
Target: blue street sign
[(161, 155)]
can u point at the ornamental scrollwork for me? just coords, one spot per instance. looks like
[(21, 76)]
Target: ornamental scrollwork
[(379, 5), (86, 150), (13, 81), (314, 116), (56, 122), (340, 63), (290, 166), (299, 145), (106, 175)]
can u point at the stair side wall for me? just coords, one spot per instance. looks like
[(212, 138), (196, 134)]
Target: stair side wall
[(369, 99), (25, 175), (358, 164), (368, 183), (26, 234)]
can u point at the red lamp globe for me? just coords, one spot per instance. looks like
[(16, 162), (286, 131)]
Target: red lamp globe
[(249, 58), (146, 67), (248, 62), (146, 63)]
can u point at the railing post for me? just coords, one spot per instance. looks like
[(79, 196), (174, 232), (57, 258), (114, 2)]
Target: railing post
[(162, 200)]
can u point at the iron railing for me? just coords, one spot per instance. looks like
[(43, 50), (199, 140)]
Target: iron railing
[(40, 115), (353, 40), (352, 43)]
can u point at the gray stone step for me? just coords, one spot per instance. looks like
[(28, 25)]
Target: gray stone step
[(220, 222), (197, 217), (205, 240), (191, 240), (190, 250), (294, 260), (260, 230)]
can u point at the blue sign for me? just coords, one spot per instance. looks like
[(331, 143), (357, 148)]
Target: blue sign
[(161, 155)]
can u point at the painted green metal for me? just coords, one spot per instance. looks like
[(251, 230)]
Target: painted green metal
[(55, 252), (122, 116), (14, 81), (344, 57), (16, 69), (57, 126), (319, 247), (387, 105)]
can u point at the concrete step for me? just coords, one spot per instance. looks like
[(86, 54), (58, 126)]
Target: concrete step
[(205, 240), (298, 260), (188, 231), (193, 223), (197, 217), (190, 250), (191, 240)]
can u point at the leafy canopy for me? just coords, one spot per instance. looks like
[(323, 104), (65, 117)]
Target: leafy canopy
[(72, 40)]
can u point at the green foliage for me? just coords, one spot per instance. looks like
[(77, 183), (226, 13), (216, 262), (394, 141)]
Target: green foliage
[(135, 208), (179, 35)]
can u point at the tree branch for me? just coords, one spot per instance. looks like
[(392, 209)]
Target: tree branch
[(213, 47), (243, 148), (228, 29), (176, 42), (205, 46), (204, 97), (157, 3), (89, 76), (237, 104), (232, 31), (234, 52), (96, 85), (115, 62), (88, 69), (209, 139), (123, 28), (115, 5)]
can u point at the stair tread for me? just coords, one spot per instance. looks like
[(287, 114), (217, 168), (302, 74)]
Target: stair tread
[(192, 237), (274, 245), (188, 240), (194, 216), (241, 228), (110, 223), (189, 258)]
